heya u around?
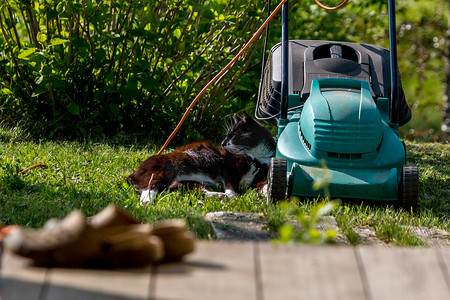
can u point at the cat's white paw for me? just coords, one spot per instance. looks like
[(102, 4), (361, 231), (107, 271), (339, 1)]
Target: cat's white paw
[(147, 196), (265, 190), (221, 195)]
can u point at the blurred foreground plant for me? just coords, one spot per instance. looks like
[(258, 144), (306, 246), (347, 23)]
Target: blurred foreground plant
[(306, 231)]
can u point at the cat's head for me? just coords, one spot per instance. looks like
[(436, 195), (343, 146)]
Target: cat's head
[(247, 136)]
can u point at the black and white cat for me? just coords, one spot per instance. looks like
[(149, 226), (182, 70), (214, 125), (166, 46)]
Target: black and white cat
[(241, 162)]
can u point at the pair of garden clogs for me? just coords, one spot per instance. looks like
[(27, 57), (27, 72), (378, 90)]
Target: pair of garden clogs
[(109, 239)]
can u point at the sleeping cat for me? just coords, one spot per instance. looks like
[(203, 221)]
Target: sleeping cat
[(241, 162)]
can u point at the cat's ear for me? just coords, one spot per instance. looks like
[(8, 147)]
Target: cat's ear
[(246, 117), (236, 118)]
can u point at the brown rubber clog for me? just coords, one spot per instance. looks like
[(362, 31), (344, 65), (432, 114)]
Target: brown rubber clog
[(72, 242), (111, 216), (69, 242), (177, 240), (110, 238)]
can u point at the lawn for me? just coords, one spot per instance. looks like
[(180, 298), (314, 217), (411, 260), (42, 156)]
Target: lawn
[(89, 175)]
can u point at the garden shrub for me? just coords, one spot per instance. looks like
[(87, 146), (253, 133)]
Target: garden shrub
[(88, 67)]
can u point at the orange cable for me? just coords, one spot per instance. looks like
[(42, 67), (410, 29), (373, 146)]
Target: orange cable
[(331, 8), (220, 74)]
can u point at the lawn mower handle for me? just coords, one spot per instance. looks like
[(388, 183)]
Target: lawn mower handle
[(284, 60), (394, 117), (393, 63), (340, 83)]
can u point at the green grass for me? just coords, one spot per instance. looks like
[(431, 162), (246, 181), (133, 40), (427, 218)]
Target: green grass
[(90, 175), (392, 224), (389, 223), (433, 160)]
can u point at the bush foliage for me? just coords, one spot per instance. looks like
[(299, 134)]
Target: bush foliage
[(74, 67), (104, 67)]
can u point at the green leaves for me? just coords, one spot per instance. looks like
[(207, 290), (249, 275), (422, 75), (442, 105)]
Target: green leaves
[(208, 14), (26, 53), (303, 227), (41, 37), (73, 108), (10, 176), (123, 66), (58, 41), (72, 61)]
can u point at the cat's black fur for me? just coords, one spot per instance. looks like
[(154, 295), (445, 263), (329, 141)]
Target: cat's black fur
[(241, 162)]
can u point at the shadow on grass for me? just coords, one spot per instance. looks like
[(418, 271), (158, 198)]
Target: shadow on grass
[(33, 204)]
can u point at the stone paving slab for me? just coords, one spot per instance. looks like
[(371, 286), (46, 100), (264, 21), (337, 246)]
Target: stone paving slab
[(240, 226), (254, 227), (368, 237), (434, 238)]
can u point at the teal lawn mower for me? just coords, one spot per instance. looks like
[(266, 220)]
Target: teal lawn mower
[(338, 107)]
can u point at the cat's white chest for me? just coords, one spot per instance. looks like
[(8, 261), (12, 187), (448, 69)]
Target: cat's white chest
[(248, 177)]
